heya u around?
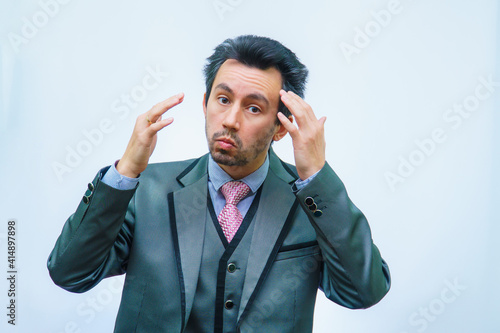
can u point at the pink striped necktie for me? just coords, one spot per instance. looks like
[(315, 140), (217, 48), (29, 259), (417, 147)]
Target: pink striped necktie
[(230, 217)]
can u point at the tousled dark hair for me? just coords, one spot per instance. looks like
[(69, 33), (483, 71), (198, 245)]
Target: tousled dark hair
[(262, 53)]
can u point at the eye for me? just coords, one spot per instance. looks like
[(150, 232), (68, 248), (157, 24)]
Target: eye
[(254, 109), (223, 100)]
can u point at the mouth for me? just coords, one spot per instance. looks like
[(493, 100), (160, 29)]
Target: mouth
[(226, 143)]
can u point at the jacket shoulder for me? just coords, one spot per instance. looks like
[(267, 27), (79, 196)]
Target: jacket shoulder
[(178, 172), (173, 168)]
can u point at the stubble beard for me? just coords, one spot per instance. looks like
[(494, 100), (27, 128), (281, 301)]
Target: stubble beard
[(243, 155)]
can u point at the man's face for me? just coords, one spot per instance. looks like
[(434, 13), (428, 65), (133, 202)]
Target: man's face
[(240, 117)]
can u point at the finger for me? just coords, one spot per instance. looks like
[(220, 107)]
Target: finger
[(322, 120), (298, 107), (159, 125), (289, 126), (306, 109), (162, 107)]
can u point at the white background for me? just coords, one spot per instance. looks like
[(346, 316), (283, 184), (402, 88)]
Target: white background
[(436, 225)]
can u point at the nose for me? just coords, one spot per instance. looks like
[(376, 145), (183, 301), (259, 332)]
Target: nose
[(232, 118)]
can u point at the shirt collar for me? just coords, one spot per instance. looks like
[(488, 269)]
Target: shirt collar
[(219, 177)]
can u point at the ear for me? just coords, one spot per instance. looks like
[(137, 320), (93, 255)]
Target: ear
[(204, 104), (281, 130)]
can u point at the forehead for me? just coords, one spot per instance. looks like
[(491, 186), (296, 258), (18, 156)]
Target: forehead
[(245, 79)]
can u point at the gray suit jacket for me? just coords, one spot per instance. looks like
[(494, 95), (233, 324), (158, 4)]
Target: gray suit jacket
[(154, 233)]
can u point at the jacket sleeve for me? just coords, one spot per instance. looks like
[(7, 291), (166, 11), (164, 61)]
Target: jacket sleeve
[(95, 241), (354, 274)]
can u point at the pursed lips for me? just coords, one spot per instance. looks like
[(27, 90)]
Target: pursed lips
[(226, 141)]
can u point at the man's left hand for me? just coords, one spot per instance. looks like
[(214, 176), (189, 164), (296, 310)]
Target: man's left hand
[(308, 138)]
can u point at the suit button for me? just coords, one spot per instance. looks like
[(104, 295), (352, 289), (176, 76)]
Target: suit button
[(86, 199), (229, 304), (318, 213), (313, 207), (231, 268), (91, 187), (309, 201)]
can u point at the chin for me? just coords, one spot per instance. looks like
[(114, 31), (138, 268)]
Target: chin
[(222, 156)]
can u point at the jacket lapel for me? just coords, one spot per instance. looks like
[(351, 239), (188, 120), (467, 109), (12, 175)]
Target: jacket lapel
[(276, 207), (190, 204)]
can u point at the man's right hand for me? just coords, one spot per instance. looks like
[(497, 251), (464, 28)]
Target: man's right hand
[(143, 140)]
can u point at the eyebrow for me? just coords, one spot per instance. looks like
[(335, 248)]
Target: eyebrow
[(255, 96)]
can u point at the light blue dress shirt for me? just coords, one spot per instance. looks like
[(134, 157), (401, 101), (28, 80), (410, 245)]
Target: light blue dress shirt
[(216, 178)]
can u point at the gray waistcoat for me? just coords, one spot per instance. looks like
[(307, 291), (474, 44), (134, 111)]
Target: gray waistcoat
[(222, 274)]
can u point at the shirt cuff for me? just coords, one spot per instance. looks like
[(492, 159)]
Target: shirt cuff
[(114, 179), (300, 184)]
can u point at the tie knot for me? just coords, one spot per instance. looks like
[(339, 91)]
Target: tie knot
[(234, 191)]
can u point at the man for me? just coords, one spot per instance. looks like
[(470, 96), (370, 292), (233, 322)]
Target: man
[(197, 261)]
